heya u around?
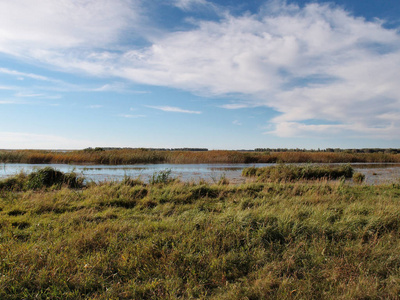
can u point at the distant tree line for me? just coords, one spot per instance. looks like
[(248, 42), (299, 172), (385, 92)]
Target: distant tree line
[(98, 149), (336, 150)]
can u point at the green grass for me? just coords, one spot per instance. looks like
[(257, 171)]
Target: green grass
[(174, 240), (39, 179)]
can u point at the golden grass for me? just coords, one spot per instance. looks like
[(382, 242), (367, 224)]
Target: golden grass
[(175, 240), (141, 156)]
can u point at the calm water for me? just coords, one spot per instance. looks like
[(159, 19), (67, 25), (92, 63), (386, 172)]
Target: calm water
[(375, 173), (97, 173)]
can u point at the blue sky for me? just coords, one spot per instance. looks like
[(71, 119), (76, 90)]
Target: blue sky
[(221, 74)]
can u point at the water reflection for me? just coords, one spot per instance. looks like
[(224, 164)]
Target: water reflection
[(375, 172), (98, 173)]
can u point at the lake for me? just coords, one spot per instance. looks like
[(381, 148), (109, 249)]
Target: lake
[(375, 173)]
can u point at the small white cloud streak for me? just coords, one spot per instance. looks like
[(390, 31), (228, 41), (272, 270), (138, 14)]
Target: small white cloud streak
[(30, 102), (11, 102), (23, 74), (189, 4), (174, 109), (8, 88), (196, 5), (131, 116), (236, 122), (28, 95), (234, 106)]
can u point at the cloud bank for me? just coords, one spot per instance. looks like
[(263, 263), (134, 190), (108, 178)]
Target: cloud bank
[(326, 72)]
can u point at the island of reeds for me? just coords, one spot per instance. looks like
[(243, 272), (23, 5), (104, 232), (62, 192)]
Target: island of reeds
[(301, 236)]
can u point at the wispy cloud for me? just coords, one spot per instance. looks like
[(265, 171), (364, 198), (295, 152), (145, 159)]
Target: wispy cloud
[(174, 109), (27, 102), (9, 88), (11, 102), (28, 95), (36, 95), (23, 74), (234, 106), (236, 122), (96, 106), (189, 5), (131, 116)]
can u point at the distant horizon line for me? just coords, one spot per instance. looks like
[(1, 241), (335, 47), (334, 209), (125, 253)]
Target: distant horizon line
[(198, 149)]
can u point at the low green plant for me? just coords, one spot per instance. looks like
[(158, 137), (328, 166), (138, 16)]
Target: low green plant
[(358, 177), (162, 177)]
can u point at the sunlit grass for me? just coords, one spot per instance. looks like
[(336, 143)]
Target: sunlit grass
[(288, 173), (141, 156), (177, 240)]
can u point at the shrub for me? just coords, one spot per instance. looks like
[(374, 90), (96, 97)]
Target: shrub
[(42, 178), (161, 177), (358, 177)]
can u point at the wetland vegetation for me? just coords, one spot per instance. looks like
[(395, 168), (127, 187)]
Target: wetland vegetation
[(154, 156), (166, 239)]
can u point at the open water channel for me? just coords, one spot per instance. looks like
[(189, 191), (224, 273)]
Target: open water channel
[(375, 173)]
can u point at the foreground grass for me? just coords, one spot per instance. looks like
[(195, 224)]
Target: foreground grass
[(186, 241), (143, 156)]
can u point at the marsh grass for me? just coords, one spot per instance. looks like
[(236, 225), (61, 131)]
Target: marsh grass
[(41, 178), (144, 156), (288, 173), (176, 240)]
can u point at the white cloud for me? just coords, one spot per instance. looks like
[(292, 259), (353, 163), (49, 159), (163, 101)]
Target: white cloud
[(174, 109), (317, 65), (188, 4), (234, 106), (9, 88), (196, 5), (22, 74), (28, 95), (11, 102), (23, 140), (47, 24), (236, 122), (311, 63)]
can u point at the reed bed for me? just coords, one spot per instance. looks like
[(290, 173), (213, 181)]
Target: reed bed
[(173, 240), (289, 173), (143, 156)]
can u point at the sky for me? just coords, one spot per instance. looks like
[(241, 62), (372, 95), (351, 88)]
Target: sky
[(217, 74)]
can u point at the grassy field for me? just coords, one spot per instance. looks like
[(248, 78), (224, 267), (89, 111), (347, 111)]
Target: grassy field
[(175, 240), (141, 156)]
